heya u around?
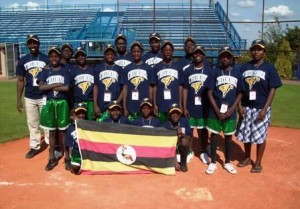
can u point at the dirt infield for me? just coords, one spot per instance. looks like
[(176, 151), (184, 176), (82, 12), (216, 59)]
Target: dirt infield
[(25, 184)]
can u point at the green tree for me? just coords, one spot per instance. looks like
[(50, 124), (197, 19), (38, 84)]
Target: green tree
[(284, 60), (293, 36)]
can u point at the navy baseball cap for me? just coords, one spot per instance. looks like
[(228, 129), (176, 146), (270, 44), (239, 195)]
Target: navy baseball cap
[(258, 42), (110, 47), (54, 49), (199, 48), (33, 37), (80, 50), (79, 106), (155, 36), (174, 107), (67, 45), (225, 49), (167, 42), (136, 43), (120, 36), (146, 101), (189, 39), (114, 104)]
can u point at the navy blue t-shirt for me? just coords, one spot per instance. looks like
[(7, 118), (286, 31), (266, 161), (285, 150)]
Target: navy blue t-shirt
[(153, 122), (29, 67), (50, 76), (227, 84), (123, 60), (182, 123), (151, 58), (168, 78), (122, 120), (109, 80), (68, 66), (260, 80), (71, 137), (184, 62), (197, 81), (138, 78), (82, 83)]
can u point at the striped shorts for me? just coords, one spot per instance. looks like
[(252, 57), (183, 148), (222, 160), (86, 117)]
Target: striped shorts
[(252, 131)]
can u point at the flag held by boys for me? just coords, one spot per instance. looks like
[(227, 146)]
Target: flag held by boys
[(125, 149)]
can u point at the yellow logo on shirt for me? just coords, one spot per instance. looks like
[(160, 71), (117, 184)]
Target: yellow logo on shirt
[(107, 82), (225, 88), (84, 86), (167, 80), (197, 86), (136, 81), (35, 71), (252, 80)]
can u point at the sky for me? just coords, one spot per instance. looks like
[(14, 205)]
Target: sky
[(238, 10)]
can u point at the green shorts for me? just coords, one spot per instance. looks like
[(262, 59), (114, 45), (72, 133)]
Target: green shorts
[(55, 115), (90, 109), (75, 157), (133, 116), (162, 117), (216, 126), (103, 116), (198, 123)]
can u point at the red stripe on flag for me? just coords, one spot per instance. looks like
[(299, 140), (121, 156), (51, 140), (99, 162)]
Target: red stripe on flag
[(141, 151)]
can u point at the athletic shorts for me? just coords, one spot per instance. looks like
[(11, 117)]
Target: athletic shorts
[(75, 157), (103, 116), (252, 131), (55, 115), (90, 109), (162, 117), (216, 126), (198, 123)]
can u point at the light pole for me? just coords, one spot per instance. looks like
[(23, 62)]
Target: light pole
[(262, 20)]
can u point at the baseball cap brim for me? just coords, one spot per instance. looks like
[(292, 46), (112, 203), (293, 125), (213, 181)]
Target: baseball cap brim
[(146, 103), (80, 51), (260, 45), (67, 45), (189, 39), (79, 108), (226, 51), (113, 106), (54, 50), (175, 109)]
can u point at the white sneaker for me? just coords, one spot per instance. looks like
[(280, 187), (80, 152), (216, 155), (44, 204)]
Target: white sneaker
[(230, 168), (57, 154), (211, 168), (204, 158)]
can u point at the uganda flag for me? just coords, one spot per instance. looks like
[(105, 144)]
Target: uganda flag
[(123, 149)]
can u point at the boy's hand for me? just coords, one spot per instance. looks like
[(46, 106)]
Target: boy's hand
[(186, 113)]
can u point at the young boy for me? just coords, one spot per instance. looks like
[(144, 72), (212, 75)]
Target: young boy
[(184, 132), (147, 119), (82, 82), (123, 58), (54, 82), (115, 114), (154, 56), (224, 97), (138, 82), (72, 154)]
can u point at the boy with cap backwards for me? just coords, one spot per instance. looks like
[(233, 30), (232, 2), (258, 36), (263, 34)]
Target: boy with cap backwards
[(224, 98), (82, 82), (189, 46), (169, 82), (138, 82), (115, 114), (28, 68), (55, 115), (123, 58), (146, 119), (154, 56), (72, 154), (108, 83), (197, 79), (184, 132), (261, 81)]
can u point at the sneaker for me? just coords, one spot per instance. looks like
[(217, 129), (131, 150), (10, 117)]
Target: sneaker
[(58, 154), (204, 158), (31, 153), (68, 164), (230, 168), (51, 164), (211, 168), (183, 167)]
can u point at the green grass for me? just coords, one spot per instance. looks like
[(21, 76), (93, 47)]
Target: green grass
[(285, 110)]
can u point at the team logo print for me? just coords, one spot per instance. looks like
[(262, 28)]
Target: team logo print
[(35, 71), (84, 86), (167, 80), (126, 154), (136, 81), (252, 80), (197, 86), (225, 88), (55, 93), (107, 82)]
